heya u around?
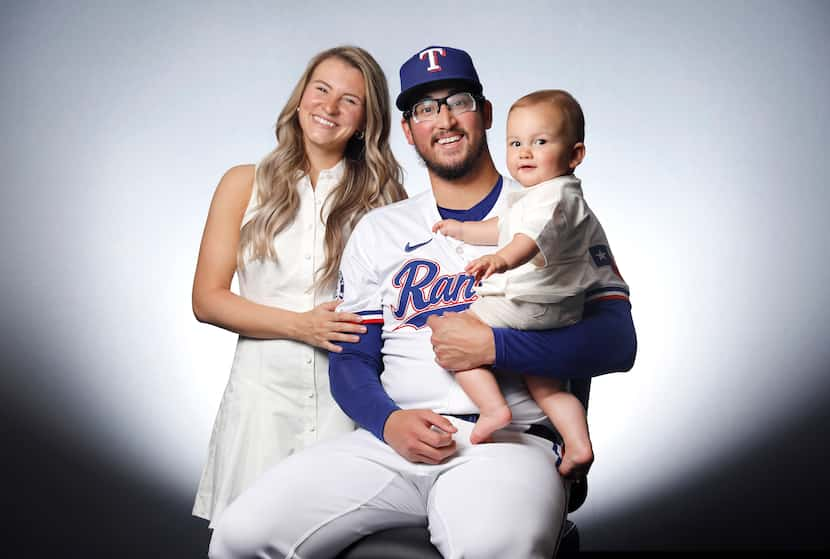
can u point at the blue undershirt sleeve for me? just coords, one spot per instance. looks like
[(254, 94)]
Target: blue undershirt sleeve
[(354, 378), (604, 341)]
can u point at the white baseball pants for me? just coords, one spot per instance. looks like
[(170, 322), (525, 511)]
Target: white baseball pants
[(494, 500)]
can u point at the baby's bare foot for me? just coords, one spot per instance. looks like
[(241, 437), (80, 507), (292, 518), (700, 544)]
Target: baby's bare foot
[(490, 421), (577, 459)]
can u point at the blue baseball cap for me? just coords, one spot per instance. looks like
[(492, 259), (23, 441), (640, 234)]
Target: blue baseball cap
[(431, 66)]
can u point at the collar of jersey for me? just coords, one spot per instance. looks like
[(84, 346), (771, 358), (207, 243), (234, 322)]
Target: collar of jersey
[(477, 212), (542, 189)]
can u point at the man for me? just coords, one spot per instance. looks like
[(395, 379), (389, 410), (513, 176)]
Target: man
[(411, 462)]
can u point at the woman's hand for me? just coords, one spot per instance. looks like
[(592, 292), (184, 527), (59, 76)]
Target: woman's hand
[(323, 325)]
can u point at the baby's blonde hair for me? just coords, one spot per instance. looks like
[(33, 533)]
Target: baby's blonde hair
[(565, 102)]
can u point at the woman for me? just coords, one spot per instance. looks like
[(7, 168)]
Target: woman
[(283, 225)]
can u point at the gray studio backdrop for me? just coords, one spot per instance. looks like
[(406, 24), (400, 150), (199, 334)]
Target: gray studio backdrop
[(707, 131)]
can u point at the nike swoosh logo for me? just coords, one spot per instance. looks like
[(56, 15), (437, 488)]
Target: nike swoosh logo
[(410, 248)]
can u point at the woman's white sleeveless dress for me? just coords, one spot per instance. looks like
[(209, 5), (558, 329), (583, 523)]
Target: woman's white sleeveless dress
[(277, 400)]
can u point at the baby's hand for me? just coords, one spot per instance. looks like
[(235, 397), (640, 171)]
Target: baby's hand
[(449, 227), (484, 267)]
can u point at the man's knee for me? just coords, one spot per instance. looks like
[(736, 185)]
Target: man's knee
[(238, 535)]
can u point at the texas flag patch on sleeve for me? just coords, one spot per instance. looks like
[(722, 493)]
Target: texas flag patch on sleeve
[(601, 255)]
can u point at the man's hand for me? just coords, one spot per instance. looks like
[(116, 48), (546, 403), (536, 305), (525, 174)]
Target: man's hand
[(462, 341), (420, 435)]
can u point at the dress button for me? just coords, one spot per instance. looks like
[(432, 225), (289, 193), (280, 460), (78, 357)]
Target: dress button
[(311, 396), (459, 249), (308, 257), (308, 360), (311, 429)]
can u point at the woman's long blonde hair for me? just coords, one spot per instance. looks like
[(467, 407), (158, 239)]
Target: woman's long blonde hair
[(372, 176)]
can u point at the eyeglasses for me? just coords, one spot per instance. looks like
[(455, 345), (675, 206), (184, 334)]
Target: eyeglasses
[(457, 103)]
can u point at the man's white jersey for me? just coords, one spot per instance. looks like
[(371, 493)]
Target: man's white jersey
[(396, 272)]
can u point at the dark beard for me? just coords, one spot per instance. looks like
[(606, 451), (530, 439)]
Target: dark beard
[(457, 170)]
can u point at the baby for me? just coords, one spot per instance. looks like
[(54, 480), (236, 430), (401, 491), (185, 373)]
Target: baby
[(551, 251)]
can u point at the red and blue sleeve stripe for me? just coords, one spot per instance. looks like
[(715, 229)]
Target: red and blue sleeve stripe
[(606, 294), (371, 317)]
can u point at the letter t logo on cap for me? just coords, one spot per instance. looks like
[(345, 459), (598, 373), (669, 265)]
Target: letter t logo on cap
[(433, 58)]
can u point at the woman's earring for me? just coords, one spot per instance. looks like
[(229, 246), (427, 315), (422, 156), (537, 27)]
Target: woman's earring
[(359, 135)]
